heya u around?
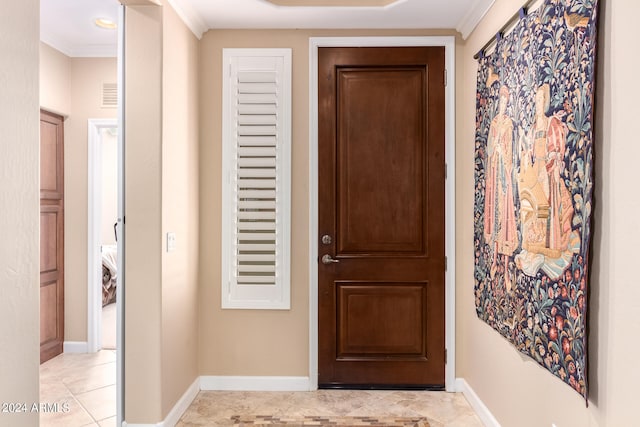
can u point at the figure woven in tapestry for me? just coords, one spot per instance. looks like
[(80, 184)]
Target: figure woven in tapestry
[(533, 185)]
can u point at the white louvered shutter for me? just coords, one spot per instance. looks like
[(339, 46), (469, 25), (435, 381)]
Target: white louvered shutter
[(256, 178)]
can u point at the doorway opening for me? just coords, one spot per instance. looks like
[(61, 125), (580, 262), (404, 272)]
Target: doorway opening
[(88, 376), (449, 44), (102, 250)]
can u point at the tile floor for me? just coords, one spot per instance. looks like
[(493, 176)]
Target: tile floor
[(215, 408), (84, 387)]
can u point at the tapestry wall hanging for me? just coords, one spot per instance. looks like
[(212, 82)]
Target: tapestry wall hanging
[(533, 185)]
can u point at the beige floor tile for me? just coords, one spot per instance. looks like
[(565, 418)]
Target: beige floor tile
[(81, 374), (109, 422), (99, 403), (69, 363), (54, 391), (91, 378), (442, 409), (72, 415)]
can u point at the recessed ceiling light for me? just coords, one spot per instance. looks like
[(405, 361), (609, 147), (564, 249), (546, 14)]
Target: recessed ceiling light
[(105, 23)]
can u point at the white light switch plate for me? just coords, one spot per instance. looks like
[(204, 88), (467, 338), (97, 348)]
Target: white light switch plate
[(171, 242)]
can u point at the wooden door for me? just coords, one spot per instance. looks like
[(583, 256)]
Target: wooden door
[(51, 235), (381, 217)]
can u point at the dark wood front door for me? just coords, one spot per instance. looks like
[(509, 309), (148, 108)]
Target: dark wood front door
[(381, 246), (51, 235)]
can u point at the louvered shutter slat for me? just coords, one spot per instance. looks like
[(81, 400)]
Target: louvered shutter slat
[(253, 258), (257, 236), (256, 140), (268, 109), (271, 215), (256, 173), (257, 88), (257, 77), (255, 204), (257, 119), (256, 249), (257, 152), (248, 130), (257, 162), (257, 194), (257, 98), (256, 226), (257, 268), (245, 280), (257, 183)]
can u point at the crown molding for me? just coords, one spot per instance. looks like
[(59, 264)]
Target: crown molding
[(473, 17), (189, 16), (80, 50)]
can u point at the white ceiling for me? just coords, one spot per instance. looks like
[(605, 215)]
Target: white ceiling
[(68, 25)]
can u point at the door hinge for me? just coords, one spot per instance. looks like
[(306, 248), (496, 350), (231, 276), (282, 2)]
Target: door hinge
[(445, 264), (446, 356), (445, 76), (446, 171)]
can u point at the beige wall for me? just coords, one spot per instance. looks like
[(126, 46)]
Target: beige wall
[(516, 389), (55, 80), (143, 211), (161, 143), (256, 342), (614, 319), (179, 208), (19, 209), (73, 87), (87, 77)]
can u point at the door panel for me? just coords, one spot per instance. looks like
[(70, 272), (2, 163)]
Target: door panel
[(48, 240), (48, 312), (51, 235), (51, 180), (381, 200), (376, 320), (378, 134)]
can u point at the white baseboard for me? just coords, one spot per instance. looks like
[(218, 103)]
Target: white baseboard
[(233, 383), (75, 347), (178, 409), (478, 405), (182, 404)]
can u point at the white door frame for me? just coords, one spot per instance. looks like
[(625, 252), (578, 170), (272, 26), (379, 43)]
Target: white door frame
[(449, 44), (94, 227), (120, 295)]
